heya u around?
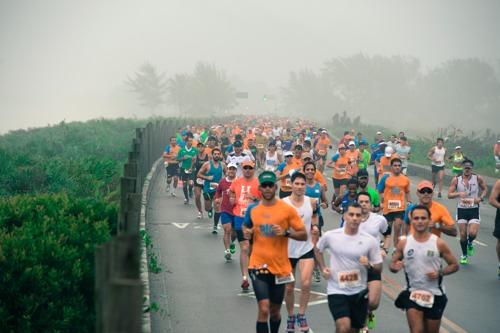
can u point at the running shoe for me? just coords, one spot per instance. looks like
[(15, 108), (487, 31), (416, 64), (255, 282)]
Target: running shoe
[(173, 193), (372, 321), (316, 275), (464, 260), (186, 201), (470, 250), (245, 285), (214, 230), (200, 215), (168, 188), (290, 324), (227, 255), (210, 214), (232, 248), (302, 323)]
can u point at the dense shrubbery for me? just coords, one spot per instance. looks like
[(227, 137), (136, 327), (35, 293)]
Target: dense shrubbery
[(47, 247)]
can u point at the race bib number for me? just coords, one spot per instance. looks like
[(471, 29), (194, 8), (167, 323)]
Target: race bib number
[(187, 171), (467, 203), (341, 170), (260, 146), (422, 298), (349, 279), (394, 204), (284, 279), (213, 186), (200, 181)]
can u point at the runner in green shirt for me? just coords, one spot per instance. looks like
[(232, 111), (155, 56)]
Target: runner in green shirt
[(187, 157), (363, 187), (365, 155)]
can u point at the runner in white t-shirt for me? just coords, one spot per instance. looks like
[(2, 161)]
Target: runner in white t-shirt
[(374, 225), (352, 254)]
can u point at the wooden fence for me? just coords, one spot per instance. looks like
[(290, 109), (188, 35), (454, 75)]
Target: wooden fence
[(119, 292)]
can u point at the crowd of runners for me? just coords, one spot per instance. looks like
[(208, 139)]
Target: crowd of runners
[(262, 183)]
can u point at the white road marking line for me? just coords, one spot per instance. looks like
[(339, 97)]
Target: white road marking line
[(180, 225)]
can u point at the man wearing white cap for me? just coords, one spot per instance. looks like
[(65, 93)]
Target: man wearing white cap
[(384, 162), (354, 157)]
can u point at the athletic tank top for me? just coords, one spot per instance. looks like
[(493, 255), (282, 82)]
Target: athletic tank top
[(439, 156), (457, 161), (296, 249), (420, 259), (472, 190), (271, 161), (211, 186), (315, 193)]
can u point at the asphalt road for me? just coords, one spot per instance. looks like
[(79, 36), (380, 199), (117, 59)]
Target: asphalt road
[(198, 292)]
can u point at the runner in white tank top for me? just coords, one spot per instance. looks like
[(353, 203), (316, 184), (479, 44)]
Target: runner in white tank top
[(272, 158), (437, 155), (301, 253), (420, 255)]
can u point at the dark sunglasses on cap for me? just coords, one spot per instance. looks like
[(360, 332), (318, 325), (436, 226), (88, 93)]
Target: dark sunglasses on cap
[(265, 185), (247, 168), (426, 190)]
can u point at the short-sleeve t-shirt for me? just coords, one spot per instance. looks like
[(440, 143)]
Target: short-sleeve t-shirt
[(341, 168), (374, 226), (270, 250), (394, 189), (322, 146), (242, 187), (439, 214), (348, 276), (191, 154), (171, 153), (222, 191)]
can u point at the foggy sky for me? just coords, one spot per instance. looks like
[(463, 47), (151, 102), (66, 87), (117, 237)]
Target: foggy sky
[(63, 59)]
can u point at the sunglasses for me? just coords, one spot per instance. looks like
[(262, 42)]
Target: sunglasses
[(266, 185), (247, 168), (467, 168), (426, 191), (419, 218)]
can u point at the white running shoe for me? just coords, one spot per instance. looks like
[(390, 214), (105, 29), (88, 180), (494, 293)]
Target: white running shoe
[(200, 215)]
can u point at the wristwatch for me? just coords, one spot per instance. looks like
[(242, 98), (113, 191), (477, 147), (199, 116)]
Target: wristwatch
[(286, 233)]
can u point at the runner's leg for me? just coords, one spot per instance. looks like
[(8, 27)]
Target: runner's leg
[(290, 296), (398, 227), (374, 292), (432, 326), (462, 229), (197, 199), (306, 267), (415, 320), (244, 250)]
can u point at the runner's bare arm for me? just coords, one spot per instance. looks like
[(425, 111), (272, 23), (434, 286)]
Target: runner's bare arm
[(483, 187), (325, 271), (204, 168), (452, 191), (493, 200), (396, 261), (430, 154)]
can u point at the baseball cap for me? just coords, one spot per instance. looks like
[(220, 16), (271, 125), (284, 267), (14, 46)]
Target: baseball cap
[(288, 153), (458, 147), (378, 133), (248, 163), (363, 142), (362, 173), (424, 184), (306, 155), (351, 143), (298, 147), (324, 131), (232, 165), (237, 144), (267, 177), (388, 151)]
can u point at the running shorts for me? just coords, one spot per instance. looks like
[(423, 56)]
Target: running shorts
[(435, 313), (353, 306), (265, 287), (172, 170), (226, 218), (308, 255), (185, 176), (496, 231), (436, 169), (374, 276), (209, 196), (465, 215)]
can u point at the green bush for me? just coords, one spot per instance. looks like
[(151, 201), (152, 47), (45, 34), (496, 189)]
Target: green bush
[(47, 245)]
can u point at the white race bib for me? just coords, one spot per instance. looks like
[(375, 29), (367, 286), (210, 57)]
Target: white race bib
[(422, 298), (284, 279), (213, 186), (466, 203), (200, 181), (393, 204), (349, 279), (187, 171)]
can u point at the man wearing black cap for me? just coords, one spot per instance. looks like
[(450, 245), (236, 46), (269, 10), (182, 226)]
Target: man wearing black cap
[(363, 187)]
